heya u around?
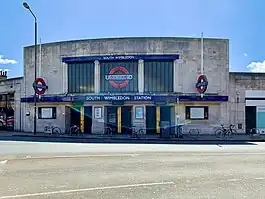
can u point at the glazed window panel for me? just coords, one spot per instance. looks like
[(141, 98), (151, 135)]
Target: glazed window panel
[(85, 79), (197, 112), (81, 77), (47, 113), (77, 80), (158, 76)]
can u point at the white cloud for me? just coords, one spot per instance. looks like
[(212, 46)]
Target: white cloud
[(257, 66), (8, 70), (245, 54), (6, 61)]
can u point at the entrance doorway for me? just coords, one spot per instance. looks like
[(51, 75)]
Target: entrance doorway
[(165, 117), (165, 113), (112, 118), (126, 119), (7, 104), (150, 119), (75, 116), (87, 119), (251, 117)]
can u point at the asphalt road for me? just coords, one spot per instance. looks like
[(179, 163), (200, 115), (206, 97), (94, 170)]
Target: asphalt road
[(61, 170)]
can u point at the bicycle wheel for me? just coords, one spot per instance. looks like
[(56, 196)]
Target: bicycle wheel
[(140, 132), (78, 131), (71, 130), (56, 130), (218, 133), (179, 131), (47, 129), (110, 132), (233, 132)]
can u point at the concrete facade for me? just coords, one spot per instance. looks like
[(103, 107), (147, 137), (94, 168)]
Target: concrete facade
[(186, 72)]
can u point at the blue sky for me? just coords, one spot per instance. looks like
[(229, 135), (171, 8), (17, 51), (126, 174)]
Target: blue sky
[(241, 21)]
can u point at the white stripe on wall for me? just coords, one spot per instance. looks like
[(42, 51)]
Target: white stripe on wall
[(255, 93), (255, 102)]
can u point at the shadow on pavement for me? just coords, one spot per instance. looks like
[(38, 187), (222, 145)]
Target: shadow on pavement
[(125, 141)]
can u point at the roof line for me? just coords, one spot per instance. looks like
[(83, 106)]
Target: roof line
[(121, 38)]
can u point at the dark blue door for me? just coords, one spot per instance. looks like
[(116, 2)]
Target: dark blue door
[(88, 119), (251, 118), (165, 113), (150, 119), (126, 119)]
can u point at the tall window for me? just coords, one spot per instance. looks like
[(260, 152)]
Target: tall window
[(158, 76), (81, 77)]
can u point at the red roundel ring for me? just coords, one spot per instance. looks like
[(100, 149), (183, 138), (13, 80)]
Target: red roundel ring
[(202, 84), (124, 71), (40, 86)]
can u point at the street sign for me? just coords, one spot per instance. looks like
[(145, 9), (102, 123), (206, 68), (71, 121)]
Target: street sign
[(40, 86)]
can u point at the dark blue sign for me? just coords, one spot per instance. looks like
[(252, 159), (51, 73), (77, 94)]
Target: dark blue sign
[(123, 98), (120, 57), (156, 98)]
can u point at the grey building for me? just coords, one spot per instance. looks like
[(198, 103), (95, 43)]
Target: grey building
[(125, 82)]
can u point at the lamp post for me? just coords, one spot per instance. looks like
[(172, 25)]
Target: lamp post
[(35, 67)]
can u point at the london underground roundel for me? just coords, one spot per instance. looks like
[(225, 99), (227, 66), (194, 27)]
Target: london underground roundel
[(202, 84), (40, 86), (119, 77)]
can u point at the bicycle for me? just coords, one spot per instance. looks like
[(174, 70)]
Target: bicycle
[(52, 130), (254, 131), (108, 131), (231, 131), (137, 133), (75, 129), (176, 131), (194, 132)]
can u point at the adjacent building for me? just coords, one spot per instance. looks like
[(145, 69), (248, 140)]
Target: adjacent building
[(10, 102)]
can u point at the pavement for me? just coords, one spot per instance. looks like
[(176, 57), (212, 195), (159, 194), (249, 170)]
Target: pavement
[(159, 171), (142, 138)]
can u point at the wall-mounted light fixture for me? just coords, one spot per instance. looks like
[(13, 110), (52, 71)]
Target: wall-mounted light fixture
[(237, 96)]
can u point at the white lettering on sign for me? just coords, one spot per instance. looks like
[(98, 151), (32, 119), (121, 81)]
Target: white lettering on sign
[(92, 98), (118, 77), (117, 97), (117, 57), (142, 98)]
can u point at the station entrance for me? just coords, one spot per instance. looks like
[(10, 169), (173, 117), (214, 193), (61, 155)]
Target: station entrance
[(88, 119), (82, 117), (151, 120), (119, 119), (126, 119), (112, 118), (165, 114), (250, 118), (157, 117)]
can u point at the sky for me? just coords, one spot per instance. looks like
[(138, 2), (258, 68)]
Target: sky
[(240, 21)]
